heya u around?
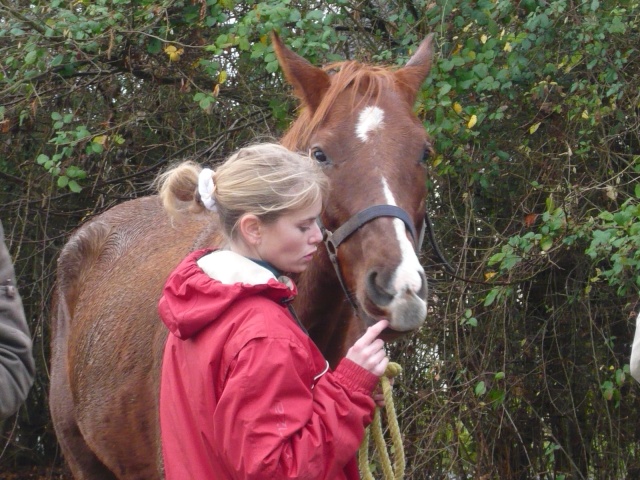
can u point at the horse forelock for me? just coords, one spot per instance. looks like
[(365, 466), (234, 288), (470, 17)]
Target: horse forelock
[(362, 84)]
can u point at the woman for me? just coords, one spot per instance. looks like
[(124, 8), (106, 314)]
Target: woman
[(245, 393)]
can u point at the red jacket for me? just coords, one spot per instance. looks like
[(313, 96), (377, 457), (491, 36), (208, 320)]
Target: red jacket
[(245, 393)]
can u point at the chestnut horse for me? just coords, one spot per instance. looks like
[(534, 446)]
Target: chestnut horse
[(107, 339)]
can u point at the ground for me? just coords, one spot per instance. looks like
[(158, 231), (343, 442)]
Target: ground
[(34, 473)]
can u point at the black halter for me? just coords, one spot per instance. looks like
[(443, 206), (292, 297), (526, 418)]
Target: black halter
[(332, 240)]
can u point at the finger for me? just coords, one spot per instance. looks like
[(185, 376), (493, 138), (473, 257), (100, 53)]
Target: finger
[(373, 331), (376, 359), (373, 348), (381, 367)]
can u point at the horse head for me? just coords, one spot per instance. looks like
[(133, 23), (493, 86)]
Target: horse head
[(357, 121)]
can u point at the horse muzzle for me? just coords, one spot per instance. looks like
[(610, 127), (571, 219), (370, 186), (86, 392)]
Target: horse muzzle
[(400, 299)]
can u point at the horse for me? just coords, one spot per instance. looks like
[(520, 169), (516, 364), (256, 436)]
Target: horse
[(357, 120)]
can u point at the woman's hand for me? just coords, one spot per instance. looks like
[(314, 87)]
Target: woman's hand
[(368, 351), (378, 395)]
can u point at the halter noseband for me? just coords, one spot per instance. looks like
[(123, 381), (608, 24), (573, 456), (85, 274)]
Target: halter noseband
[(332, 240)]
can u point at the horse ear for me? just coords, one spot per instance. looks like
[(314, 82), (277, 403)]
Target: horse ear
[(411, 76), (309, 83)]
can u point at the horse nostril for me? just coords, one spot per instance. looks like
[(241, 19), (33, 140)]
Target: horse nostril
[(377, 289), (383, 290)]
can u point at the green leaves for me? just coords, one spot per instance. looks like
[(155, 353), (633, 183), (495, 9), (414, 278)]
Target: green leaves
[(494, 394), (65, 181), (614, 243), (611, 387), (66, 144), (493, 295), (61, 120), (205, 100), (468, 319), (65, 178)]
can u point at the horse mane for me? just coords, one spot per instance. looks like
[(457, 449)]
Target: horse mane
[(362, 82)]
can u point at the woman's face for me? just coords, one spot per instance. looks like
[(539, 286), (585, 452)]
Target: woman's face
[(290, 242)]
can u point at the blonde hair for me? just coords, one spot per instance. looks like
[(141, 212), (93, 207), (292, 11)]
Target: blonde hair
[(265, 180)]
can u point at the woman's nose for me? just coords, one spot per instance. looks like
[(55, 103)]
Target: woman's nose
[(316, 234)]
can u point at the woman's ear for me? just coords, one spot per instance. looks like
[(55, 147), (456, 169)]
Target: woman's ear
[(250, 229)]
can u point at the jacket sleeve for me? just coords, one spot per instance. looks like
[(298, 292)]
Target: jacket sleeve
[(16, 361), (271, 424), (635, 353)]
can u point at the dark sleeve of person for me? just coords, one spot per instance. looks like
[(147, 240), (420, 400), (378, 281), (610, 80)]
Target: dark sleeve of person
[(17, 367)]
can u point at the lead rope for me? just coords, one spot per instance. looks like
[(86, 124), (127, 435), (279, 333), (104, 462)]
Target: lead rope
[(395, 472)]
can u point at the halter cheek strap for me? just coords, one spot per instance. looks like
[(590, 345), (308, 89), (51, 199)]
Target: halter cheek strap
[(332, 240)]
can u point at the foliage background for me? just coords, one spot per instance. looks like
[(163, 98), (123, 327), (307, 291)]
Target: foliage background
[(534, 106)]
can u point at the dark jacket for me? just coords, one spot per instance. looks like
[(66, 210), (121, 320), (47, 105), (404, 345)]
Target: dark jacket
[(17, 367)]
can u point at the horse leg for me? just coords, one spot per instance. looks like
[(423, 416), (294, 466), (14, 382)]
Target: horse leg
[(82, 461)]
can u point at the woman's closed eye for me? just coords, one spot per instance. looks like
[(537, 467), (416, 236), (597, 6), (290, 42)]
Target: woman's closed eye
[(305, 226)]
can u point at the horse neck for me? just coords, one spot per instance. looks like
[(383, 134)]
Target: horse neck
[(317, 289), (321, 304), (322, 307)]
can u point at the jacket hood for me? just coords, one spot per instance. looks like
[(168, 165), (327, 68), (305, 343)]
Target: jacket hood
[(207, 282)]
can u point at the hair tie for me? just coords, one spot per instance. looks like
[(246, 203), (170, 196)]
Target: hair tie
[(206, 187)]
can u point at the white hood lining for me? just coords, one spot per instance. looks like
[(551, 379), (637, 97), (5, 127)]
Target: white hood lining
[(230, 268)]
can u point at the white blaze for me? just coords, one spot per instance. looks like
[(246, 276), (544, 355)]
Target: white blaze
[(407, 276), (369, 120)]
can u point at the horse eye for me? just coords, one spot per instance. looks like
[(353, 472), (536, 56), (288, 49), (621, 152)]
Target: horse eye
[(318, 155), (428, 152)]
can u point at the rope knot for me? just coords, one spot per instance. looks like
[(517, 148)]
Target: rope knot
[(393, 370)]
